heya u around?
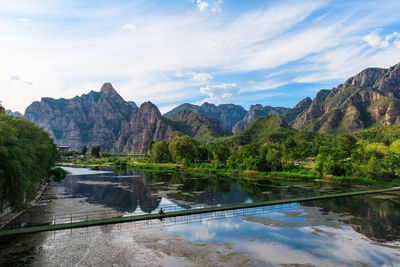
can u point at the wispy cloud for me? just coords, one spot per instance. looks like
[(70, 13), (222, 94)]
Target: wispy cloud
[(130, 27), (188, 55), (219, 92)]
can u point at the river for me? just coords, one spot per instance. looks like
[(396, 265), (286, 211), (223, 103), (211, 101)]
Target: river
[(352, 231)]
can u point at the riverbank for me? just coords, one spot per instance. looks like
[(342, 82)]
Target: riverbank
[(297, 173), (8, 215)]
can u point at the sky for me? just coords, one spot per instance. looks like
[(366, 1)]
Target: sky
[(171, 52)]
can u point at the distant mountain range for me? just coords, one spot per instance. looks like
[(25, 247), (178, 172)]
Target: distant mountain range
[(371, 98), (104, 118)]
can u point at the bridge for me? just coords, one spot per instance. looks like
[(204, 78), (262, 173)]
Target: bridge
[(88, 219)]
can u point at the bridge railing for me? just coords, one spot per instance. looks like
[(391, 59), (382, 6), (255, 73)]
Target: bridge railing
[(53, 219)]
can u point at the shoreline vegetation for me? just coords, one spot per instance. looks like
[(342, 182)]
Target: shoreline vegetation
[(303, 173), (265, 149), (27, 157)]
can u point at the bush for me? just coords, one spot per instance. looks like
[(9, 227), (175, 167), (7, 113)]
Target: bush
[(59, 174)]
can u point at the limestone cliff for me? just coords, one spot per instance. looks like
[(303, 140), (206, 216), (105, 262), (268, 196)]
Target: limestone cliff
[(146, 125), (368, 99), (90, 119)]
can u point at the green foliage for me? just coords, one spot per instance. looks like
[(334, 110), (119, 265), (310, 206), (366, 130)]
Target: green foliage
[(395, 146), (160, 152), (268, 129), (203, 129), (269, 146), (182, 147), (381, 134), (58, 174), (26, 156), (120, 163), (95, 151), (380, 147), (84, 150)]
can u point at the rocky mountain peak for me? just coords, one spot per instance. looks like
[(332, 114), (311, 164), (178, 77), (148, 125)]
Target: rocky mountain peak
[(291, 114), (149, 108), (366, 78), (368, 99), (208, 105), (108, 89), (91, 119)]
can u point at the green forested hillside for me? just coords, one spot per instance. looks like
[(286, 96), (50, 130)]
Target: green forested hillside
[(270, 145), (26, 155), (198, 126)]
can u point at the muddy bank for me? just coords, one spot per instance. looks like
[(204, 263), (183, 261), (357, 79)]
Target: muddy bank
[(117, 245)]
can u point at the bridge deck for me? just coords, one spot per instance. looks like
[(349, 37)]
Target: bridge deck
[(113, 220)]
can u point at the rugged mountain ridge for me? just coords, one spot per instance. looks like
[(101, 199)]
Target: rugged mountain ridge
[(104, 118), (91, 119), (255, 112), (146, 125), (370, 98), (228, 114)]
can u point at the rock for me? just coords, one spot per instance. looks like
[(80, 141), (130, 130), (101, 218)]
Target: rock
[(368, 99), (146, 125), (90, 119), (291, 114), (255, 112), (228, 114)]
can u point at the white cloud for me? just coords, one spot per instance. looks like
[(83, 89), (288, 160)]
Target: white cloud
[(265, 85), (165, 60), (373, 39), (220, 92), (201, 5), (202, 77), (130, 27), (217, 6), (23, 20)]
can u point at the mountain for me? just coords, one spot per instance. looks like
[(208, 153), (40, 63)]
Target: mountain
[(257, 111), (146, 125), (370, 98), (91, 119), (271, 128), (228, 114), (198, 126), (104, 118), (13, 113), (291, 114)]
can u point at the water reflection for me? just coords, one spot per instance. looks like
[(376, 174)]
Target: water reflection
[(127, 191), (377, 217)]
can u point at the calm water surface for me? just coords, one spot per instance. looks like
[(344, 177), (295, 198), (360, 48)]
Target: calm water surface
[(356, 231)]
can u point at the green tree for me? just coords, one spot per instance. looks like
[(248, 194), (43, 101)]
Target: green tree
[(26, 155), (221, 153), (95, 151), (160, 152), (395, 146), (346, 144), (380, 147), (274, 159), (84, 150), (182, 147)]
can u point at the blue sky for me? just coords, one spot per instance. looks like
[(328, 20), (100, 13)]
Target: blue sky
[(171, 52)]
